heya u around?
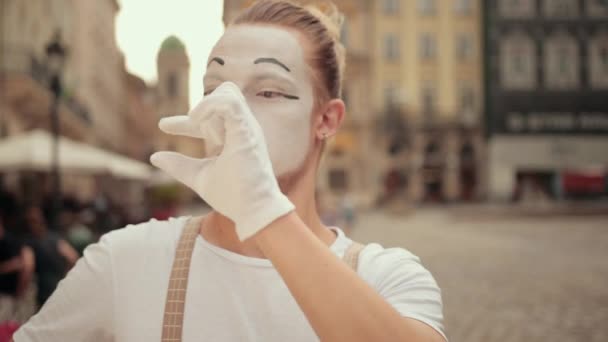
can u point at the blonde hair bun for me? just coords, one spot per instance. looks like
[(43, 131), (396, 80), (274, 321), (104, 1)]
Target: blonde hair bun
[(331, 17)]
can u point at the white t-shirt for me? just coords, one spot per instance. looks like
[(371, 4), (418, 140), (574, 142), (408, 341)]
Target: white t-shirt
[(117, 291)]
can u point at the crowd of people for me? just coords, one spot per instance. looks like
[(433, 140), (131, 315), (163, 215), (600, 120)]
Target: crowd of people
[(39, 243)]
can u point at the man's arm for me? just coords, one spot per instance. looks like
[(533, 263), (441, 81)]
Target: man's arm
[(11, 265), (338, 304), (68, 252), (29, 266)]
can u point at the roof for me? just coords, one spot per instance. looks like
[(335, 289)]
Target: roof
[(172, 43)]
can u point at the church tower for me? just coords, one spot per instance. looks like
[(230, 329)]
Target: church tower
[(173, 69)]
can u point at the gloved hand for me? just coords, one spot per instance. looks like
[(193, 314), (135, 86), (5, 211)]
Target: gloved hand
[(239, 182)]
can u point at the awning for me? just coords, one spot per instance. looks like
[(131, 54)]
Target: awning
[(33, 151)]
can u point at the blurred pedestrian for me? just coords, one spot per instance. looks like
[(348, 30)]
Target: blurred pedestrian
[(347, 211), (8, 204), (54, 256), (78, 234), (16, 270)]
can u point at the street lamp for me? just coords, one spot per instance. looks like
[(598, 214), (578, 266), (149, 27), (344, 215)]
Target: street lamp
[(56, 54)]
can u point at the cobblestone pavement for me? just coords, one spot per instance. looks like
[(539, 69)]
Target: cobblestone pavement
[(508, 279)]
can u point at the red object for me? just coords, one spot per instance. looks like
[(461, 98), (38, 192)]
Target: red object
[(164, 213), (588, 183), (7, 329)]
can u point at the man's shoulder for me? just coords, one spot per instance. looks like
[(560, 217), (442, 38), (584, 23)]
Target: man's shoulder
[(153, 235), (377, 253), (378, 264), (399, 276)]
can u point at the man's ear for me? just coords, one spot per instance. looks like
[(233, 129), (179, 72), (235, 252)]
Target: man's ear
[(330, 119)]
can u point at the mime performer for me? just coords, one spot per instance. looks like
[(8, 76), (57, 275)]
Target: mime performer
[(261, 266)]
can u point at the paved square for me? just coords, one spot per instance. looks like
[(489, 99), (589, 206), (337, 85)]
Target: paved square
[(508, 278)]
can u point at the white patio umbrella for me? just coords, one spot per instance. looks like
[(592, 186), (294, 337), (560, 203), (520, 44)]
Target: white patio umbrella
[(33, 151), (124, 167)]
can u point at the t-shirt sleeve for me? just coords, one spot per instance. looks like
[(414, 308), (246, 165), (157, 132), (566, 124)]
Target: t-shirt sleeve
[(81, 308), (400, 278)]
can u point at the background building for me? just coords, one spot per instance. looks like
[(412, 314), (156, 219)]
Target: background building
[(100, 104), (547, 85), (173, 70), (413, 89), (25, 30), (141, 118), (427, 91)]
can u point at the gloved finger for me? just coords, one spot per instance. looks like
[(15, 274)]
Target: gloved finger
[(208, 118), (239, 123), (183, 168), (180, 125), (212, 130), (207, 107)]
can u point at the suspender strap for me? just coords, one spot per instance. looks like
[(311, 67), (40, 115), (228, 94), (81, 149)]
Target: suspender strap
[(173, 318), (351, 256), (176, 294)]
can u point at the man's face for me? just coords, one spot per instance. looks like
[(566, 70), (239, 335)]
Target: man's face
[(268, 65)]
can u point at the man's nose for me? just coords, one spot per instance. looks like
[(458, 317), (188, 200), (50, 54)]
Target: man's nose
[(231, 87)]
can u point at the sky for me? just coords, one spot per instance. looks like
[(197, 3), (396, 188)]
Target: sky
[(142, 25)]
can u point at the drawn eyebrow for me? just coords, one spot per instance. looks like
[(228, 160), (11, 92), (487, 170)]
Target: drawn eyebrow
[(216, 59), (271, 60)]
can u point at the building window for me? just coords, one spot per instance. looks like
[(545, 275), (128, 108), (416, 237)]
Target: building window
[(338, 179), (598, 61), (597, 8), (517, 8), (467, 98), (517, 62), (344, 33), (390, 7), (560, 8), (426, 7), (391, 47), (428, 46), (561, 62), (464, 47), (466, 104), (463, 7), (428, 103), (391, 96), (172, 87)]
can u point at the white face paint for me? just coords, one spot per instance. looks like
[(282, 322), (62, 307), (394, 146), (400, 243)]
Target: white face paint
[(268, 65)]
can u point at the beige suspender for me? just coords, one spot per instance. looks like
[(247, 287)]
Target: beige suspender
[(351, 256), (173, 318), (176, 293)]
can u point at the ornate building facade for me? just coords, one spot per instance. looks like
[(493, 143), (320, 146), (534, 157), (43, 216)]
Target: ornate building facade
[(100, 103), (547, 117), (427, 89), (93, 76)]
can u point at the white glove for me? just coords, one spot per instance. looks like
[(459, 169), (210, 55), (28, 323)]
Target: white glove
[(239, 182)]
